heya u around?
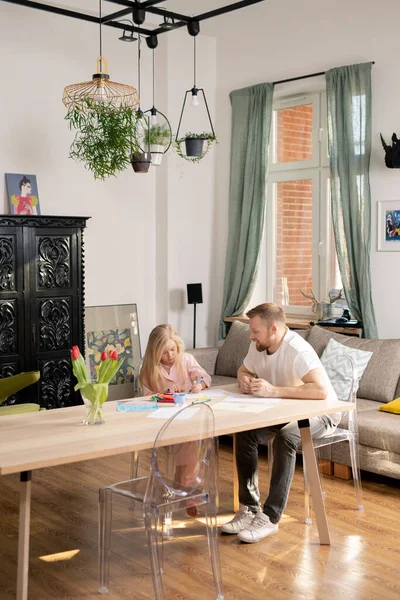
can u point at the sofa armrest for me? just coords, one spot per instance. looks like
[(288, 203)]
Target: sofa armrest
[(206, 357)]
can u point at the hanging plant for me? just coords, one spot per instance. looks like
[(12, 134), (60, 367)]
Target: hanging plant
[(105, 136), (194, 143), (158, 137)]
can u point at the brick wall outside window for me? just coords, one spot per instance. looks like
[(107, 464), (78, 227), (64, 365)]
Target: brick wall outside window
[(294, 206)]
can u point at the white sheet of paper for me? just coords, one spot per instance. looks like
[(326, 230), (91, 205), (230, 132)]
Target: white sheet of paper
[(246, 399), (250, 408), (210, 393), (167, 412)]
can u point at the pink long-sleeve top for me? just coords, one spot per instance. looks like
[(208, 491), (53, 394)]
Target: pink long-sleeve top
[(192, 369)]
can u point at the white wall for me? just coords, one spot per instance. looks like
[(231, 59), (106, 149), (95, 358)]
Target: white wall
[(280, 39), (144, 240)]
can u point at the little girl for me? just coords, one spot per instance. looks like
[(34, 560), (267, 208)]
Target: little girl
[(167, 367)]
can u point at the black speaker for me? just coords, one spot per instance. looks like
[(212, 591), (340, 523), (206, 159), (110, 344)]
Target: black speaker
[(194, 293)]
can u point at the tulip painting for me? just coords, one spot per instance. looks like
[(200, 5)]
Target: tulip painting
[(106, 341)]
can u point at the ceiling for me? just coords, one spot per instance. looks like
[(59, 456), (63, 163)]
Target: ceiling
[(190, 8)]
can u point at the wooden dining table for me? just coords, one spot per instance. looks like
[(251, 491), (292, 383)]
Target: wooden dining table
[(46, 439)]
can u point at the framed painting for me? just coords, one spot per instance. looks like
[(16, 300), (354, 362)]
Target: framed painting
[(23, 195), (389, 226), (114, 327)]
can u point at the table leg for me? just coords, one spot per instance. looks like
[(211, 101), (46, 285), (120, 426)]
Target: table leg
[(23, 536), (315, 484), (235, 478)]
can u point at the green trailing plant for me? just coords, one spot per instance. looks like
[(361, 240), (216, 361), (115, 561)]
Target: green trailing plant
[(159, 135), (209, 138), (105, 138)]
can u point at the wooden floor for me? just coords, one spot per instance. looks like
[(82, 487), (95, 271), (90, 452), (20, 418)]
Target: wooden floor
[(362, 562)]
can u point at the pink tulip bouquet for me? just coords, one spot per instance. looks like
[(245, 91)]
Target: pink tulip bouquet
[(94, 393)]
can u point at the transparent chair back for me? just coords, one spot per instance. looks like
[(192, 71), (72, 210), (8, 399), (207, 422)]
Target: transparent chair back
[(181, 476), (137, 386), (345, 383)]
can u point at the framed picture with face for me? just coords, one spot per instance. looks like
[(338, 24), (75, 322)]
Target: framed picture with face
[(23, 195)]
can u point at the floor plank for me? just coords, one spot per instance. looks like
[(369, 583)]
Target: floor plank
[(360, 564)]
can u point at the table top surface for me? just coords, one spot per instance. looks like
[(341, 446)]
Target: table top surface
[(49, 438)]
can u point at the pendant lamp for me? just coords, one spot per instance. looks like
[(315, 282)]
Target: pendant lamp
[(100, 88), (160, 133), (141, 161), (194, 142)]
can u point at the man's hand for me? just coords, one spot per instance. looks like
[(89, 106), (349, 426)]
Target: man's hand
[(245, 383), (261, 387)]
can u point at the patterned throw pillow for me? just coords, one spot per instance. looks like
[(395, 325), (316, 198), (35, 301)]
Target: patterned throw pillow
[(340, 371)]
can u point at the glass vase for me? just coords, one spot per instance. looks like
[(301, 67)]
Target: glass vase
[(94, 395)]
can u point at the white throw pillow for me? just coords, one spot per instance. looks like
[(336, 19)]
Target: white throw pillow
[(340, 371)]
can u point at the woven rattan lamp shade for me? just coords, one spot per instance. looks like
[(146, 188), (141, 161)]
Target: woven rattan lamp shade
[(101, 89)]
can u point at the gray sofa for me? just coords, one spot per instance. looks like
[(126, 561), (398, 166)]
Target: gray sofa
[(379, 432)]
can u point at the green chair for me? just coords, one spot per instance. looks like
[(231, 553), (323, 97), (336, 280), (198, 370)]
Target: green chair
[(12, 385)]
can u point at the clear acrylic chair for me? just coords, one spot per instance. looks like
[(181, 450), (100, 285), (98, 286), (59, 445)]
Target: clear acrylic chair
[(181, 476), (137, 386), (350, 435), (137, 393)]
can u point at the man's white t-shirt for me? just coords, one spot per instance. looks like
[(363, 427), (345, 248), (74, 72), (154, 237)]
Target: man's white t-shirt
[(288, 365)]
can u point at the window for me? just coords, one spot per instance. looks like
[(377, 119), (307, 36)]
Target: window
[(300, 244)]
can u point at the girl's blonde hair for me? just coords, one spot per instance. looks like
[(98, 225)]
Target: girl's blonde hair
[(150, 373)]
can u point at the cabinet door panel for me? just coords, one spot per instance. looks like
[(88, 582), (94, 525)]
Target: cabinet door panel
[(7, 263), (54, 324), (55, 384), (53, 261), (8, 327), (12, 342), (54, 310)]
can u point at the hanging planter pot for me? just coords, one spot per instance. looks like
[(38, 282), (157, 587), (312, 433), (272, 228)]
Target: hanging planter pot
[(141, 162), (157, 153), (194, 142), (158, 138), (194, 146)]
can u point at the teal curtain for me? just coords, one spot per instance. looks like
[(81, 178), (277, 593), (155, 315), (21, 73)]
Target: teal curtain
[(251, 123), (349, 143)]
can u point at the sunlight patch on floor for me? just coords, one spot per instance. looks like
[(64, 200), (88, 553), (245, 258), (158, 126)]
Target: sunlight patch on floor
[(221, 519), (59, 556)]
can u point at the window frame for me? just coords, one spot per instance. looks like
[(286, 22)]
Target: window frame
[(290, 102), (316, 169)]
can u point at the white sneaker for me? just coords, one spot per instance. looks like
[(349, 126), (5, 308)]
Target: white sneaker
[(259, 528), (240, 521)]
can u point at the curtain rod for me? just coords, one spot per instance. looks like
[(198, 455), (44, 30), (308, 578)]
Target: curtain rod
[(303, 77)]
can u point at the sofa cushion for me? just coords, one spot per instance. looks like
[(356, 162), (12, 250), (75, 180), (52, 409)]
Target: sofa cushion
[(206, 357), (340, 370), (380, 378), (222, 380), (233, 350), (362, 406), (379, 430), (319, 338)]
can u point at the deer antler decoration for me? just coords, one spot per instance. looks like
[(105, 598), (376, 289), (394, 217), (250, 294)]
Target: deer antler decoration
[(312, 298), (315, 302), (340, 296)]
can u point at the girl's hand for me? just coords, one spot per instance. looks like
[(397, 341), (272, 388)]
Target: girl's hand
[(196, 387), (174, 387)]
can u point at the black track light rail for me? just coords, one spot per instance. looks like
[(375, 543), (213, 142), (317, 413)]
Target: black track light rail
[(149, 6)]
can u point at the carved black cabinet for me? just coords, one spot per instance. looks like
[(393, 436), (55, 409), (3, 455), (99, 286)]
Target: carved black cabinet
[(41, 303)]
